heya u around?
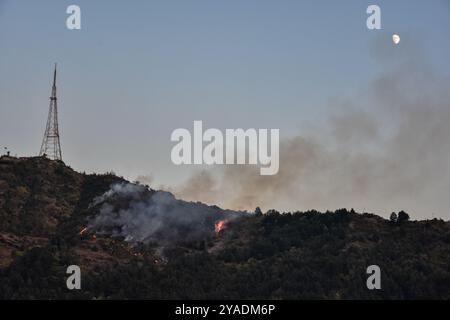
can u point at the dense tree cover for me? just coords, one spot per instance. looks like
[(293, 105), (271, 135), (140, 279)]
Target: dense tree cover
[(272, 255)]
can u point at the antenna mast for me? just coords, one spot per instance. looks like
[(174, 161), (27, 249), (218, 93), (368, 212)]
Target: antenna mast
[(51, 146)]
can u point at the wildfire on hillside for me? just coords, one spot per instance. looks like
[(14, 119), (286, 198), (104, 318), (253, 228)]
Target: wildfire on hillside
[(219, 226), (83, 231)]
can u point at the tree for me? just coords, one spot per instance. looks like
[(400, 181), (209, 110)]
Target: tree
[(393, 217), (402, 216)]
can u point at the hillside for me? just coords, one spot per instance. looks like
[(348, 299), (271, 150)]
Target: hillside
[(134, 242)]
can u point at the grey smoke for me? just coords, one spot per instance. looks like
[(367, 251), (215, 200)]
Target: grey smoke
[(140, 215), (145, 179), (386, 149)]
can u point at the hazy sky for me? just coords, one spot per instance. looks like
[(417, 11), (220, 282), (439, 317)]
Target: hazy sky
[(137, 70)]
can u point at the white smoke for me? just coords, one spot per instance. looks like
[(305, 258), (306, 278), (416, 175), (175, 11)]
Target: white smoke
[(140, 215)]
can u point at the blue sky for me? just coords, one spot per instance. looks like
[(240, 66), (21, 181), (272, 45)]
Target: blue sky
[(140, 69)]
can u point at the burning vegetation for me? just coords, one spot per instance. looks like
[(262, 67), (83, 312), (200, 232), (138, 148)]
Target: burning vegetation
[(219, 226), (83, 231), (140, 215)]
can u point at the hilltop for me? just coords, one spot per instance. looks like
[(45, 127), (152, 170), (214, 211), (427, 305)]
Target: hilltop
[(131, 241)]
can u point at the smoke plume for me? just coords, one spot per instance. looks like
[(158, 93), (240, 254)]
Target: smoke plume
[(141, 215), (389, 150)]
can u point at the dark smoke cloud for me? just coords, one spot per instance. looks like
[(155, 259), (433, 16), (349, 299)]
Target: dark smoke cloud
[(389, 151)]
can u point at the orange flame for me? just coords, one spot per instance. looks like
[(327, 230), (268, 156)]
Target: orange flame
[(219, 226), (83, 231)]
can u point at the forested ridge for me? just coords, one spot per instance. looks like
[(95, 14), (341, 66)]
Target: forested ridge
[(44, 206)]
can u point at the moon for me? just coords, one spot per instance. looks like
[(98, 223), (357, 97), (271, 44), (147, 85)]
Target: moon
[(396, 38)]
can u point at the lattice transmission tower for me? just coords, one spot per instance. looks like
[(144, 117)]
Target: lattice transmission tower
[(51, 146)]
